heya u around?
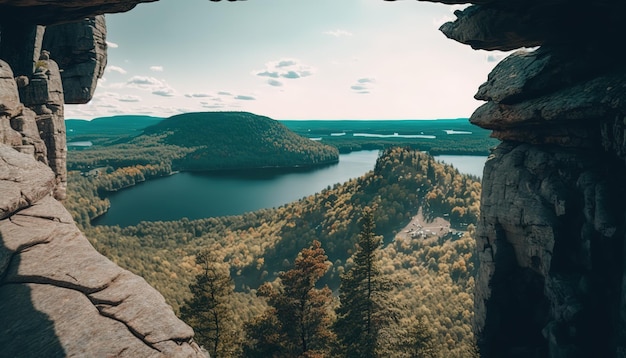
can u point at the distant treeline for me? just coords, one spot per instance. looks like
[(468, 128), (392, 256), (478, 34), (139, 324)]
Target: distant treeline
[(465, 139), (445, 136)]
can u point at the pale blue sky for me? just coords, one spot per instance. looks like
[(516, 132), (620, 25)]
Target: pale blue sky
[(288, 59)]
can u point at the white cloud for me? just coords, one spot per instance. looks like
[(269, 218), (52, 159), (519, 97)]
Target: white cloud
[(164, 92), (154, 85), (198, 95), (144, 81), (156, 68), (268, 74), (245, 98), (116, 69), (288, 68), (275, 83), (129, 99), (286, 63), (338, 33), (112, 44), (213, 106), (363, 85)]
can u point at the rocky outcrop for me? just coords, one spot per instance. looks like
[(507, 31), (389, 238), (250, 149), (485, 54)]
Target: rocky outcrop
[(552, 274), (58, 296), (79, 48), (48, 12)]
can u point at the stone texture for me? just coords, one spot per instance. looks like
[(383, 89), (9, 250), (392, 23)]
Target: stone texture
[(58, 295), (511, 24), (22, 181), (478, 28), (548, 224), (80, 51), (9, 96), (552, 238), (48, 12), (44, 94), (26, 125), (21, 46)]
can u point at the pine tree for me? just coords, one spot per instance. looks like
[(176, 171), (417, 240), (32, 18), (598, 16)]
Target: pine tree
[(360, 315), (300, 310), (419, 342), (208, 311)]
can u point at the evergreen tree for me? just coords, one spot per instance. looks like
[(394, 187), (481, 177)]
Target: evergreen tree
[(208, 311), (360, 315), (300, 310), (264, 338), (419, 342)]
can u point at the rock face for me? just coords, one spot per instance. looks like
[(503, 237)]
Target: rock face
[(552, 274), (58, 296), (48, 12), (80, 50)]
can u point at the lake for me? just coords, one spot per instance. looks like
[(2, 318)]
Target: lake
[(466, 164), (200, 195)]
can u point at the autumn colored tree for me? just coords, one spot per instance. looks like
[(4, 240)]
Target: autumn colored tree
[(208, 311), (419, 342), (301, 311), (360, 315), (264, 337)]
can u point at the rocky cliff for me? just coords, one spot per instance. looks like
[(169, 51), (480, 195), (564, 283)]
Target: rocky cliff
[(552, 275), (58, 296)]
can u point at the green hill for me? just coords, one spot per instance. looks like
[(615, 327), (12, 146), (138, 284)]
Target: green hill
[(196, 142), (236, 140)]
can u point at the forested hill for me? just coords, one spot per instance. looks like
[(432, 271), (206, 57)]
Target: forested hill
[(233, 140), (433, 276), (206, 141)]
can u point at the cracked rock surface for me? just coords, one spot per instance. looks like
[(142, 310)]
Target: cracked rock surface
[(551, 277), (58, 295)]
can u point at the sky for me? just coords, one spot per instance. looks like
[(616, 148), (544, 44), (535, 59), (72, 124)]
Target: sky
[(288, 59)]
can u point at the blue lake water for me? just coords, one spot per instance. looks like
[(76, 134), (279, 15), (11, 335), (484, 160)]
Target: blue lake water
[(466, 164), (201, 195)]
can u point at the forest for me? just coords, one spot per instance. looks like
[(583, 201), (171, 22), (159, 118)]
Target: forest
[(441, 136), (429, 278), (202, 142)]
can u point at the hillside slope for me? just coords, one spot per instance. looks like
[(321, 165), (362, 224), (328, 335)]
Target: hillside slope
[(204, 141), (234, 140), (433, 274)]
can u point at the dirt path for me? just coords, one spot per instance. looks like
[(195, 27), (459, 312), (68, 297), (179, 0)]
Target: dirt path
[(420, 228)]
